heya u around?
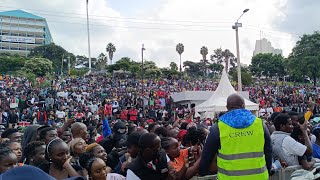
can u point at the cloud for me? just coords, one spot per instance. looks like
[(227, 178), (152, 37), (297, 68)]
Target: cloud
[(160, 28)]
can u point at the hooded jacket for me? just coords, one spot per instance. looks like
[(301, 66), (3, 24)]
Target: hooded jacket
[(239, 118)]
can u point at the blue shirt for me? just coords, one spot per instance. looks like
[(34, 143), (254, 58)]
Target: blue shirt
[(316, 151)]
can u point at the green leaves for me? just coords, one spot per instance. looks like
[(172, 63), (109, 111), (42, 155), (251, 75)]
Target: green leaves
[(267, 65), (38, 66)]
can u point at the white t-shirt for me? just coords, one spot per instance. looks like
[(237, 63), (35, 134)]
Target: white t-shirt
[(291, 150), (61, 114)]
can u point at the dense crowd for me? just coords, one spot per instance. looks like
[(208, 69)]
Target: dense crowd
[(120, 127)]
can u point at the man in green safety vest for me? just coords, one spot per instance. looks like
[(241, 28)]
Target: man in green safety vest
[(241, 143)]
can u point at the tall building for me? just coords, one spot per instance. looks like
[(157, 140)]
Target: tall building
[(21, 31), (264, 46)]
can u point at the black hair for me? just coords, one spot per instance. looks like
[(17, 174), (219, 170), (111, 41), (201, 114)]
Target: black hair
[(202, 134), (273, 116), (147, 140), (133, 139), (296, 132), (151, 126), (30, 149), (43, 132), (166, 142), (161, 132), (192, 135), (8, 132), (86, 160), (4, 151), (292, 113), (50, 146), (184, 125), (281, 119), (316, 132), (301, 119)]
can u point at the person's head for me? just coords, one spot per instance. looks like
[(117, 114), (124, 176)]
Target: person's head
[(297, 134), (79, 130), (12, 134), (149, 145), (161, 132), (35, 153), (96, 167), (171, 146), (294, 118), (152, 127), (273, 116), (133, 144), (66, 136), (57, 152), (15, 147), (316, 131), (98, 151), (283, 123), (173, 133), (47, 134), (184, 125), (235, 101), (77, 146), (8, 159)]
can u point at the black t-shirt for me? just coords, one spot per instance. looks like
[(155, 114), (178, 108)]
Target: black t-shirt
[(46, 168)]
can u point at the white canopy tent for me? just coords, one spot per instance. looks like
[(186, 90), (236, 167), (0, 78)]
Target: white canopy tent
[(218, 101)]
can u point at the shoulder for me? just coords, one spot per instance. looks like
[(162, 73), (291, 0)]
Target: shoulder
[(44, 167), (77, 167)]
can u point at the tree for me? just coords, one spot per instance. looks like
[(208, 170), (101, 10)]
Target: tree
[(102, 61), (215, 68), (246, 77), (267, 65), (305, 57), (223, 56), (173, 66), (111, 49), (193, 69), (38, 66), (11, 63), (55, 54), (204, 53), (125, 64), (180, 50)]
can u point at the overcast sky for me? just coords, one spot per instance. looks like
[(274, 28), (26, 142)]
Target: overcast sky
[(161, 24)]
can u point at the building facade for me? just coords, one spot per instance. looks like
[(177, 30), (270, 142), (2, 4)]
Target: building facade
[(21, 31), (264, 46)]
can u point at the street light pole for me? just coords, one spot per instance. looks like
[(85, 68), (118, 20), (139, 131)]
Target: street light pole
[(142, 49), (88, 37), (236, 26)]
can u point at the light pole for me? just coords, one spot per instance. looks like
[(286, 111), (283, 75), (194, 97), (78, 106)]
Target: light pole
[(142, 76), (88, 38), (236, 26), (142, 49)]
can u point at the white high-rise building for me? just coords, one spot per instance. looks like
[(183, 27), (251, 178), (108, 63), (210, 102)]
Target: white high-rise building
[(264, 46)]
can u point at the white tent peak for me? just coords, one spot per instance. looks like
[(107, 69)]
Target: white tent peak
[(218, 101)]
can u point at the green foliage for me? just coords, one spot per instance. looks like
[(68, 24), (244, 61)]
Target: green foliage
[(246, 77), (79, 72), (55, 54), (11, 63), (38, 66), (220, 56), (111, 49), (102, 61), (305, 57), (173, 66), (268, 65), (193, 69), (125, 64), (216, 68)]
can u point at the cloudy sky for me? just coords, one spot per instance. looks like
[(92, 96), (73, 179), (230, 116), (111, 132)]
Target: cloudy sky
[(161, 24)]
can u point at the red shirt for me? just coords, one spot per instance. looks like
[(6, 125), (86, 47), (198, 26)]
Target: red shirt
[(124, 115), (133, 114)]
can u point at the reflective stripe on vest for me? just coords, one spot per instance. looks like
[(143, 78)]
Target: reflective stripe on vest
[(241, 154), (242, 172)]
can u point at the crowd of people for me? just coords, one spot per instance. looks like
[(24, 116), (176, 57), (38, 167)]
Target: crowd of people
[(101, 127)]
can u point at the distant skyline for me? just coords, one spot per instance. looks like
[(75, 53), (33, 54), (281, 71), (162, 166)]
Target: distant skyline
[(161, 24)]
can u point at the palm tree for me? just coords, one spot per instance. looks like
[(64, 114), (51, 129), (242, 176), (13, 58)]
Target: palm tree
[(204, 53), (228, 58), (180, 50), (111, 49)]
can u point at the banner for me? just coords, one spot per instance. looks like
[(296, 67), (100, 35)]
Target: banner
[(18, 39)]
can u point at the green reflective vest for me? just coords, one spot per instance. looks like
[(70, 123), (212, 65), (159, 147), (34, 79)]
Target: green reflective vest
[(242, 152)]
